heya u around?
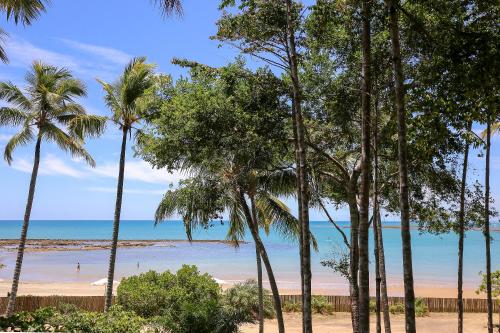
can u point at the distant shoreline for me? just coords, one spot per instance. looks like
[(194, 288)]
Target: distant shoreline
[(46, 245)]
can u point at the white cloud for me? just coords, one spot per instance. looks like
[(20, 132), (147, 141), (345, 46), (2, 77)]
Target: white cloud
[(49, 165), (4, 137), (139, 171), (107, 53), (125, 190), (106, 66)]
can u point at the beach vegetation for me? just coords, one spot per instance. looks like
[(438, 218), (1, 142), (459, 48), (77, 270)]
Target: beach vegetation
[(47, 111), (125, 99), (187, 301), (244, 297), (321, 305)]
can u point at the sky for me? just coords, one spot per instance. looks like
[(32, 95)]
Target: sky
[(96, 39)]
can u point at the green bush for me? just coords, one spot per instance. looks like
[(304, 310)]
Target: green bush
[(421, 308), (321, 305), (116, 320), (244, 298), (292, 307), (184, 302)]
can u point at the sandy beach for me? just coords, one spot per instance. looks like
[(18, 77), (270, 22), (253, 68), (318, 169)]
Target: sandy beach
[(341, 323), (87, 289)]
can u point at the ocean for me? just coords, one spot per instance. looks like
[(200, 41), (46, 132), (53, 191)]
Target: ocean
[(434, 256)]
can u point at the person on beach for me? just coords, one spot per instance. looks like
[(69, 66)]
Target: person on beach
[(78, 267)]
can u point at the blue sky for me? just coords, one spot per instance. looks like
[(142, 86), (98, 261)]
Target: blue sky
[(95, 39)]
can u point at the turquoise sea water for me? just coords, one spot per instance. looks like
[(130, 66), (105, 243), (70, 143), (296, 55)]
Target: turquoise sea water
[(434, 256)]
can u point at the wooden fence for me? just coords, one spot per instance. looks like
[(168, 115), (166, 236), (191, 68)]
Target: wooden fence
[(340, 303)]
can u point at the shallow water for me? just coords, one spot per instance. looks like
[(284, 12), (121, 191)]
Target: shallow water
[(434, 257)]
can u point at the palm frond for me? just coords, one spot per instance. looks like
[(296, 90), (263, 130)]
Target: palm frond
[(24, 11), (67, 143), (83, 126), (20, 139), (169, 7), (3, 55), (11, 116), (10, 93), (282, 219), (236, 230)]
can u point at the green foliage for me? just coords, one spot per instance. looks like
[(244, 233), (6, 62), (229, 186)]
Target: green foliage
[(292, 306), (244, 298), (47, 111), (421, 309), (321, 305), (116, 320), (495, 284), (186, 301)]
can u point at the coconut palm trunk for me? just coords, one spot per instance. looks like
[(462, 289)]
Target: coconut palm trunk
[(261, 290), (259, 270), (267, 264), (487, 223), (403, 168), (24, 232), (116, 222), (383, 275), (366, 89), (461, 232)]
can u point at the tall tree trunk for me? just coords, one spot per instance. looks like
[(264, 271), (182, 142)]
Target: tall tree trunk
[(261, 291), (253, 227), (259, 271), (303, 192), (487, 223), (377, 271), (24, 231), (461, 232), (116, 223), (383, 276), (366, 89), (354, 263), (377, 231), (403, 169)]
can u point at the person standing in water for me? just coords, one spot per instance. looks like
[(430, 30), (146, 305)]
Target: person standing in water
[(78, 267)]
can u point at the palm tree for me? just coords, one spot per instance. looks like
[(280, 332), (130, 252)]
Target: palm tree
[(206, 195), (123, 99), (24, 11), (47, 104)]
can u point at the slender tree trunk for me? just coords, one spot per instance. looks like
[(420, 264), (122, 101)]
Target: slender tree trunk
[(253, 226), (261, 291), (377, 272), (366, 89), (461, 232), (354, 263), (487, 224), (377, 231), (259, 271), (116, 223), (303, 192), (24, 231), (383, 277), (403, 169)]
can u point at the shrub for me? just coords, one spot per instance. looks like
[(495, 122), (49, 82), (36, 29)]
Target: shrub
[(292, 307), (421, 308), (184, 302), (244, 298), (116, 320), (321, 305)]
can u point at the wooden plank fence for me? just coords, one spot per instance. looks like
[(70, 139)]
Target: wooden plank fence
[(340, 303)]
